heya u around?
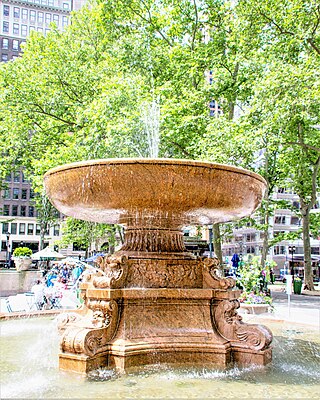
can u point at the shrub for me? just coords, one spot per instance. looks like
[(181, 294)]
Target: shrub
[(22, 252)]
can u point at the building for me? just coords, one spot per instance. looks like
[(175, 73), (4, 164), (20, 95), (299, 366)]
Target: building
[(18, 18), (248, 241)]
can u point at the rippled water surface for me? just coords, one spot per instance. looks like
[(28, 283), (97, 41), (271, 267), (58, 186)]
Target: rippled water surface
[(29, 369)]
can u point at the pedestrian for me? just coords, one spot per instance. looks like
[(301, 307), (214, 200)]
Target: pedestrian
[(38, 291), (272, 277)]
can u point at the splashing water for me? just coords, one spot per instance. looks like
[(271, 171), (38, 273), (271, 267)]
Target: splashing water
[(29, 369), (151, 121)]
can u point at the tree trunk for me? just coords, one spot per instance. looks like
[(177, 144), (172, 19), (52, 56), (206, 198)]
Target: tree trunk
[(217, 243), (265, 247), (42, 233), (308, 275)]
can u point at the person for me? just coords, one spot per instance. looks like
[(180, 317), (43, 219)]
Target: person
[(65, 274), (38, 291), (272, 278), (76, 272)]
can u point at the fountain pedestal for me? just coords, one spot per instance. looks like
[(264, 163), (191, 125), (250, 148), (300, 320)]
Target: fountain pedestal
[(153, 302), (129, 327)]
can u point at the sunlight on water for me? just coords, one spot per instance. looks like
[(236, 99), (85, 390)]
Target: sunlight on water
[(29, 370)]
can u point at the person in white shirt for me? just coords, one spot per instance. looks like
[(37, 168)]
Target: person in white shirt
[(38, 291)]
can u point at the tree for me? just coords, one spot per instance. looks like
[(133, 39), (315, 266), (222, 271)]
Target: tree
[(86, 233)]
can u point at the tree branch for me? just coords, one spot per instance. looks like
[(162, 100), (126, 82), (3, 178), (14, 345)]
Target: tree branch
[(306, 146)]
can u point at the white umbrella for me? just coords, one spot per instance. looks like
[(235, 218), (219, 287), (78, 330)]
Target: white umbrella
[(47, 254)]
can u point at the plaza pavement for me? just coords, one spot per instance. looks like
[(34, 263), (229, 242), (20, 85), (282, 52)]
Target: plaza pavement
[(303, 308)]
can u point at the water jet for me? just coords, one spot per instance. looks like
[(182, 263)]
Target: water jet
[(155, 302)]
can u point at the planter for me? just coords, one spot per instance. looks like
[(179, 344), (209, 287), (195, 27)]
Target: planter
[(297, 286), (22, 263), (255, 308)]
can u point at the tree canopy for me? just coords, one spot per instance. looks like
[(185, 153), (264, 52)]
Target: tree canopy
[(87, 92)]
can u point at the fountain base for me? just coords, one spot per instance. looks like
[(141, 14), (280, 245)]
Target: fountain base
[(127, 328)]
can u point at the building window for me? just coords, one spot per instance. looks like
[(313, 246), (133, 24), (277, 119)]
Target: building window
[(23, 211), (8, 178), (315, 250), (250, 250), (31, 194), (64, 21), (6, 194), (296, 205), (279, 250), (48, 18), (15, 195), (16, 12), (31, 211), (40, 30), (6, 11), (47, 31), (15, 45), (44, 1), (5, 44), (16, 177), (65, 6), (24, 30), (280, 220), (13, 228), (5, 227), (15, 29), (30, 229), (6, 209), (56, 19), (22, 229), (24, 13), (14, 211), (32, 28), (56, 230), (295, 221), (32, 16), (50, 2), (24, 193), (37, 1), (4, 57), (38, 229), (5, 27), (40, 17)]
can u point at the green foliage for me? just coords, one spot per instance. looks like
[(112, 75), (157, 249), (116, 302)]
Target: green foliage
[(254, 282), (22, 252), (82, 93), (84, 233)]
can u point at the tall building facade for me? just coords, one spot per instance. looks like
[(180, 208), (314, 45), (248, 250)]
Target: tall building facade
[(18, 18)]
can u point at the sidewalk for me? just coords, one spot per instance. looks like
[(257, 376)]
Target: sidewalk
[(303, 309)]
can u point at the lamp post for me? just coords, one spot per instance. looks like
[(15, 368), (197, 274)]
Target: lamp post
[(8, 250), (210, 240), (292, 250)]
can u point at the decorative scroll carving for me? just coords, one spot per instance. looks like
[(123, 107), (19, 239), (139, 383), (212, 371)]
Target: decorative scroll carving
[(229, 324), (161, 273), (112, 272), (91, 334), (211, 278), (66, 319), (153, 240)]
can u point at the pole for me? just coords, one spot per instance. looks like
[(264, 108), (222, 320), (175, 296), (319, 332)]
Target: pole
[(8, 250)]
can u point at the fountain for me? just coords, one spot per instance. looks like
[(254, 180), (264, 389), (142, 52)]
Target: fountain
[(153, 302)]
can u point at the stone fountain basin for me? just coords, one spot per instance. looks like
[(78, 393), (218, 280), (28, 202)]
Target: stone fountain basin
[(159, 192)]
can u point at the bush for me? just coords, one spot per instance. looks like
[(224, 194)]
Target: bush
[(22, 252), (253, 281)]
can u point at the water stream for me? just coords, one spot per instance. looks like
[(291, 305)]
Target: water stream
[(29, 369)]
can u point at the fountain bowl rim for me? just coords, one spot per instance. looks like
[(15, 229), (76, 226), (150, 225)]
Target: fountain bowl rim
[(150, 161)]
